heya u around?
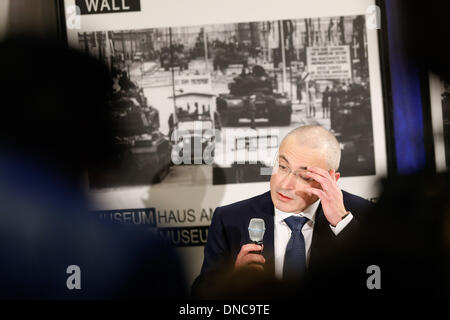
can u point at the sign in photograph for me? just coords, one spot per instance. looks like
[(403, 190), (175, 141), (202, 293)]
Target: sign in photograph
[(329, 62), (107, 6)]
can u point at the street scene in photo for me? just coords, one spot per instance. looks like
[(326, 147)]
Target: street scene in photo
[(210, 104)]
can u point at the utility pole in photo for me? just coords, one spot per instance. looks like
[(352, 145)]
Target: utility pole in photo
[(283, 55), (306, 78), (205, 42), (175, 118)]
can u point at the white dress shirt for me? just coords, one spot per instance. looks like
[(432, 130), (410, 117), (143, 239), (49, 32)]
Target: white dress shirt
[(282, 233)]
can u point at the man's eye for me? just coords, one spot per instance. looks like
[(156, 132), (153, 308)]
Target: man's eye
[(304, 177)]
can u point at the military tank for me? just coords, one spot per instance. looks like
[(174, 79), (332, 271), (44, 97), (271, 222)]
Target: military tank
[(251, 96), (225, 58), (180, 60), (193, 138), (142, 153)]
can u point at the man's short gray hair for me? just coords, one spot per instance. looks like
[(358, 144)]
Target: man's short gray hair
[(317, 137)]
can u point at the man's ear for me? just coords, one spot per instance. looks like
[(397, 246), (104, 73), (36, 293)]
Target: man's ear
[(337, 175)]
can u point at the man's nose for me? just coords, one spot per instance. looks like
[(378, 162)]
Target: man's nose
[(289, 181)]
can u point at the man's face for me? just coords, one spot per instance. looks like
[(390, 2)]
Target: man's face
[(288, 191)]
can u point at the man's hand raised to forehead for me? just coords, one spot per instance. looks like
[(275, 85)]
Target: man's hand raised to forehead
[(330, 195)]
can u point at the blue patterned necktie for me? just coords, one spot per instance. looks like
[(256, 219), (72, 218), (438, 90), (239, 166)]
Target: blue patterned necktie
[(295, 256)]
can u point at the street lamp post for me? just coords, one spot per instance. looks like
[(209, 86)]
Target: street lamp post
[(173, 77), (205, 43), (283, 55)]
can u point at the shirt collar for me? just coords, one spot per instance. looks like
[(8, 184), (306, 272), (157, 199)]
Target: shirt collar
[(309, 212)]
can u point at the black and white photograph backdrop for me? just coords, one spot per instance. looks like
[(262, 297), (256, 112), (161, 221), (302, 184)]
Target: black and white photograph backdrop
[(250, 81), (204, 91)]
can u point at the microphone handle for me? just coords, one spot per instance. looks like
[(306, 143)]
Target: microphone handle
[(260, 243)]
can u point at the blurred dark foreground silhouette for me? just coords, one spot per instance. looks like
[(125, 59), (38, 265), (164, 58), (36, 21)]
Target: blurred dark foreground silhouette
[(55, 124), (407, 236)]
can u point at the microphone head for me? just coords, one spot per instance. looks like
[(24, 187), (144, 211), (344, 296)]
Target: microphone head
[(256, 229)]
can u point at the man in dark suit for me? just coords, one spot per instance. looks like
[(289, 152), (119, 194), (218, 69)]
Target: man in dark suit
[(307, 219)]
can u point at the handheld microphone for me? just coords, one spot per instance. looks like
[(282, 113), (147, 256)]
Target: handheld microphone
[(256, 229)]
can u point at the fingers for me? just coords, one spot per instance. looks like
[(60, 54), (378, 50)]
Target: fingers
[(304, 189), (251, 260), (317, 192), (319, 171), (255, 266), (320, 179), (246, 248), (324, 178)]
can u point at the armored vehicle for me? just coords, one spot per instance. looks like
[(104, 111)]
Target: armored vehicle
[(142, 153), (252, 96), (193, 138), (224, 58), (179, 60)]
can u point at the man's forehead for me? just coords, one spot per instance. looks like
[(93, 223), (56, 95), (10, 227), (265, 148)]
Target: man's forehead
[(284, 158), (301, 156), (299, 143)]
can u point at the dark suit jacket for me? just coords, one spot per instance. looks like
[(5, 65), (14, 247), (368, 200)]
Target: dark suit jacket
[(229, 232)]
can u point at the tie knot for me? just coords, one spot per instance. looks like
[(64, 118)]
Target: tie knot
[(296, 223)]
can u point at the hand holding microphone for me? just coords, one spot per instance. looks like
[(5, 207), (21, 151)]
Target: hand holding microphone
[(250, 254)]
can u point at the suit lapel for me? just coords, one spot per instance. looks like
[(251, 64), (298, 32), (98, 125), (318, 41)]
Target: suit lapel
[(265, 209), (322, 238)]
